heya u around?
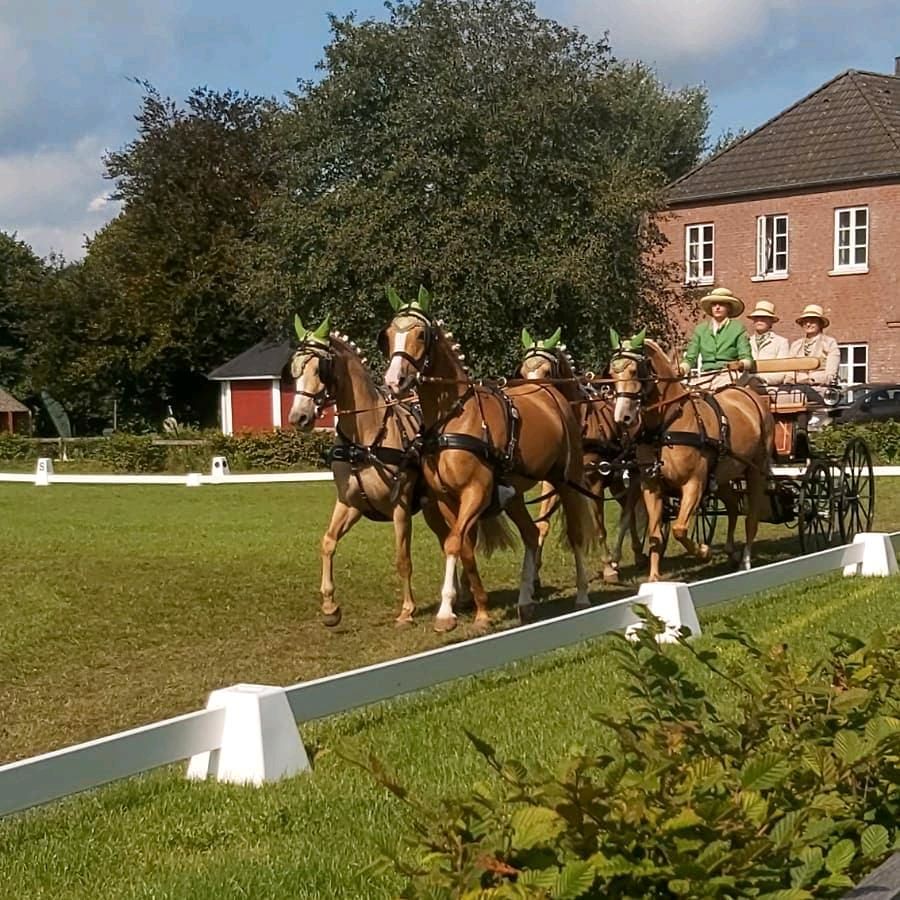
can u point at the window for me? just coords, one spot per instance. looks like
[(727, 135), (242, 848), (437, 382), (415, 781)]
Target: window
[(851, 239), (854, 366), (771, 246), (698, 254)]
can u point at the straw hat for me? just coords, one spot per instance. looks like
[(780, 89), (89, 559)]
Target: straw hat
[(765, 309), (722, 295), (814, 311)]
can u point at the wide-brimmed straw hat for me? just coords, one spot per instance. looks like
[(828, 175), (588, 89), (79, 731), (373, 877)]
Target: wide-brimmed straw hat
[(814, 311), (722, 295), (765, 309)]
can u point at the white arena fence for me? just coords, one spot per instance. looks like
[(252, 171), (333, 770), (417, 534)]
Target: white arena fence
[(248, 733), (220, 473)]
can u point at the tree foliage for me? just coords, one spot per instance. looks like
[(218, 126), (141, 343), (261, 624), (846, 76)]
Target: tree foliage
[(506, 161), (21, 276)]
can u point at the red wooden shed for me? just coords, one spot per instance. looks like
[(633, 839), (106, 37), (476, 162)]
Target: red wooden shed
[(15, 417), (256, 390)]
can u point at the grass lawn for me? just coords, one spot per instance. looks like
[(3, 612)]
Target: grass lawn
[(124, 605)]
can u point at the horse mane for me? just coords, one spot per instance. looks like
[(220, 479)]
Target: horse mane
[(659, 359), (446, 338)]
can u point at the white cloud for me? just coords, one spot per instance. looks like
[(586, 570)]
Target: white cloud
[(15, 73), (52, 197), (668, 30)]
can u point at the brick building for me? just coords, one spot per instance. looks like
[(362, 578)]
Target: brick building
[(806, 209)]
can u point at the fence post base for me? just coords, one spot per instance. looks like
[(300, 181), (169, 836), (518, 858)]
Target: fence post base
[(670, 601), (260, 741), (43, 471), (193, 479), (879, 558), (220, 470)]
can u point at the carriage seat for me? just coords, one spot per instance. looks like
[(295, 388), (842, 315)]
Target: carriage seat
[(788, 401)]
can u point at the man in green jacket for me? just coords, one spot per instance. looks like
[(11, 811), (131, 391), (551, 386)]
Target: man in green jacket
[(719, 343)]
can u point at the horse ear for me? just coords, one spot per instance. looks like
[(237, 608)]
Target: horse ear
[(298, 327), (614, 339), (553, 340), (638, 340), (322, 331), (527, 339), (424, 298), (394, 299)]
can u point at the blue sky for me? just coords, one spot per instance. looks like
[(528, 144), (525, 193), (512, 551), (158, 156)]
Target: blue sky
[(66, 95)]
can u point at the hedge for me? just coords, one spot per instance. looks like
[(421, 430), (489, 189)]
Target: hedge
[(883, 439), (285, 450)]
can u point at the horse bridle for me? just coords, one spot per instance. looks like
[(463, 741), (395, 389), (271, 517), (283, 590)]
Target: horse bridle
[(421, 364), (544, 354), (326, 359)]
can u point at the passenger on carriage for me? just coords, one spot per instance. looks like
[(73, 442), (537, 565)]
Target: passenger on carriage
[(816, 343), (765, 344), (720, 343)]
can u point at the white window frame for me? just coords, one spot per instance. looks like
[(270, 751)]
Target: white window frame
[(848, 352), (694, 236), (780, 228), (851, 266)]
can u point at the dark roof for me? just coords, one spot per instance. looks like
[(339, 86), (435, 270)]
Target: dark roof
[(8, 403), (266, 359), (848, 130)]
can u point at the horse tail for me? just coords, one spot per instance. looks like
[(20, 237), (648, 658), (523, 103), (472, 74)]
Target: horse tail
[(494, 534), (581, 523)]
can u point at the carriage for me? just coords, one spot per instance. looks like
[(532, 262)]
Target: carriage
[(827, 499)]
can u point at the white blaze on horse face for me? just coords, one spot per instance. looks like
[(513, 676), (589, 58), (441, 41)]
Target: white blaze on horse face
[(398, 367), (624, 411)]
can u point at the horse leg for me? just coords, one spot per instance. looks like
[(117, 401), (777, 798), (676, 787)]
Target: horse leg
[(343, 518), (441, 529), (756, 499), (518, 512), (691, 494), (402, 535), (548, 508), (610, 571), (471, 504), (653, 502), (580, 521), (634, 502), (729, 498)]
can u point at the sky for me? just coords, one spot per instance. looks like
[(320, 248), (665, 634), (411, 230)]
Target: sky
[(68, 70)]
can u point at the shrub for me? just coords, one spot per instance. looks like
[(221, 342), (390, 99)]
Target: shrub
[(287, 450), (785, 783), (883, 439)]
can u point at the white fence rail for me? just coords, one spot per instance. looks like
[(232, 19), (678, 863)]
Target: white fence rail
[(220, 474), (245, 726)]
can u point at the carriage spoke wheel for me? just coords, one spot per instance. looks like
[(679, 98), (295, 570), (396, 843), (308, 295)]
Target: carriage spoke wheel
[(815, 515), (856, 493), (705, 517)]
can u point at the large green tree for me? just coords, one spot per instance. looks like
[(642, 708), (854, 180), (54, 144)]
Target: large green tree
[(160, 280), (21, 277), (509, 162)]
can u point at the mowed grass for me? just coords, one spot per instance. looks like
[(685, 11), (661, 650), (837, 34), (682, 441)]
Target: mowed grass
[(311, 836), (123, 605)]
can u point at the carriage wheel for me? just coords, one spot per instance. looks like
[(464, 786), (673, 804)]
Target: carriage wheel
[(705, 517), (815, 519), (856, 492)]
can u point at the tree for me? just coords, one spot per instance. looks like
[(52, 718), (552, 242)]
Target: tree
[(21, 275), (727, 139), (506, 161), (162, 276)]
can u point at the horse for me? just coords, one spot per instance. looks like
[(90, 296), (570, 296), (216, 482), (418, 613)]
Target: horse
[(370, 458), (605, 455), (691, 442), (482, 448)]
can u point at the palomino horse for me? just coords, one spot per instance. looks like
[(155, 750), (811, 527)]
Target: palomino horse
[(369, 458), (690, 442), (604, 454), (482, 448)]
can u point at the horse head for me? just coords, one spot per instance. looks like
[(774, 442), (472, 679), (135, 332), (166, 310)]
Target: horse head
[(544, 359), (311, 367), (630, 373), (407, 341)]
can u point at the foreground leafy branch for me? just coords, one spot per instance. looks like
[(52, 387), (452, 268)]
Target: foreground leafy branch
[(781, 781)]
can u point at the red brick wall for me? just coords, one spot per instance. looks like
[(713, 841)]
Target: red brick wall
[(859, 305)]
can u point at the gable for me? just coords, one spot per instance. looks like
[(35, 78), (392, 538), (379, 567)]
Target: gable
[(848, 130)]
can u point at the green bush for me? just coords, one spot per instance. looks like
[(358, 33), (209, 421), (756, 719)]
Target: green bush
[(285, 450), (783, 782), (883, 439)]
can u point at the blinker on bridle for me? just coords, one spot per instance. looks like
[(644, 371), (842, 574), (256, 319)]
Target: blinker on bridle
[(420, 364), (643, 378), (316, 350)]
